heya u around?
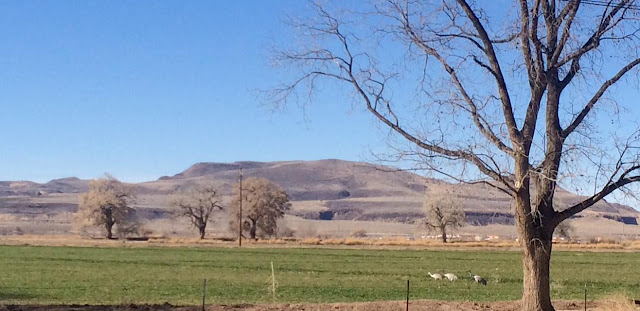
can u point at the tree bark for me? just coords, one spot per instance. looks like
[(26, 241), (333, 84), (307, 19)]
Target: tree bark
[(253, 229), (109, 226), (536, 256), (443, 230), (109, 222), (202, 228), (536, 232)]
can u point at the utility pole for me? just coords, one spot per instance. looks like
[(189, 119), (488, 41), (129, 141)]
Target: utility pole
[(240, 213)]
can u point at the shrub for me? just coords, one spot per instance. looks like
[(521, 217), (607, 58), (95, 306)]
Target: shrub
[(146, 232), (359, 234), (286, 232)]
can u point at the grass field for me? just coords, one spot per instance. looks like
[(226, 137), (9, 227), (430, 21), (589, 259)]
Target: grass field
[(74, 275)]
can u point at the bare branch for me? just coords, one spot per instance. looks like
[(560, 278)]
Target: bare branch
[(608, 189), (596, 97), (507, 108)]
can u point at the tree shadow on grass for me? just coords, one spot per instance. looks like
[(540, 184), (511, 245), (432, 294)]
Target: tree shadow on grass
[(13, 297)]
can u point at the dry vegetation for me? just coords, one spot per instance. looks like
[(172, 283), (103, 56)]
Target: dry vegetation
[(617, 302), (373, 243)]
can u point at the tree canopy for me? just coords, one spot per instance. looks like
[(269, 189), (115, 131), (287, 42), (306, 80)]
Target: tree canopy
[(108, 203), (443, 213), (263, 203)]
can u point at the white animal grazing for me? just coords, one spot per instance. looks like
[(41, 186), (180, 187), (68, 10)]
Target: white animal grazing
[(451, 277), (478, 279), (435, 276)]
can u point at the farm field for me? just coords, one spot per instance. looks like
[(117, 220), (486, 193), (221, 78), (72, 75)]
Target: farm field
[(76, 275)]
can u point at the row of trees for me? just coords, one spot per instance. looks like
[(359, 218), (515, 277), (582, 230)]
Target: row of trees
[(108, 204)]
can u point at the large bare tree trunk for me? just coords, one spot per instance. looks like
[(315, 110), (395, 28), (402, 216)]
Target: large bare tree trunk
[(535, 231), (443, 230), (536, 256), (535, 225)]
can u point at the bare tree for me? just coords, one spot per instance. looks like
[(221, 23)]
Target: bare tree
[(520, 98), (107, 203), (442, 214), (198, 204), (263, 203)]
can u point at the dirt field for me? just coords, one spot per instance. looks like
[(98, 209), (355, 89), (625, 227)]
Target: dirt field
[(418, 305), (355, 243)]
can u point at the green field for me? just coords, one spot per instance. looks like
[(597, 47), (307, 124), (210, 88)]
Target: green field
[(72, 275)]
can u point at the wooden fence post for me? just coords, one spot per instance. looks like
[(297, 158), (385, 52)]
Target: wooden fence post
[(407, 295), (204, 293)]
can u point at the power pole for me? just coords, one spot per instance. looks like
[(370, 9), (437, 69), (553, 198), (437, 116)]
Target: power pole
[(240, 213)]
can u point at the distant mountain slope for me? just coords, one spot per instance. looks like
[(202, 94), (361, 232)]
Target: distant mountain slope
[(28, 188), (328, 189), (306, 180), (356, 190)]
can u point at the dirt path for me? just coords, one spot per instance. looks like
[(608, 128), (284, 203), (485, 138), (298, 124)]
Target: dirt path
[(418, 305)]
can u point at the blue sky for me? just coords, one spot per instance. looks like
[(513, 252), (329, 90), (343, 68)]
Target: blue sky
[(142, 89)]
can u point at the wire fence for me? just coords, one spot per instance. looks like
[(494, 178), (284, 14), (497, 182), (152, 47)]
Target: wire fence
[(272, 290)]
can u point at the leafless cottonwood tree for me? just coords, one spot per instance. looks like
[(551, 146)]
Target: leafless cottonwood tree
[(519, 97), (442, 214), (108, 203), (198, 205), (263, 203)]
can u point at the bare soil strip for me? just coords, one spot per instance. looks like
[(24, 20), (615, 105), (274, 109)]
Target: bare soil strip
[(350, 243), (417, 305)]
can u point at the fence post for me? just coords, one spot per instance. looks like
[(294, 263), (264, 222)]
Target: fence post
[(204, 293), (585, 296), (273, 282), (407, 295)]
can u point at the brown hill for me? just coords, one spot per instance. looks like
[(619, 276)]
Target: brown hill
[(307, 180), (29, 188), (325, 189), (336, 189)]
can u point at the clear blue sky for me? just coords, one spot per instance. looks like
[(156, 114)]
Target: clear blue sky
[(142, 89)]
